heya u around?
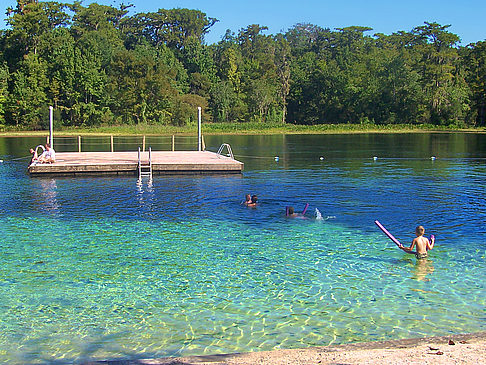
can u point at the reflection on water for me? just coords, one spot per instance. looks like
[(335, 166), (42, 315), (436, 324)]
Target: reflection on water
[(422, 268), (115, 267), (47, 194)]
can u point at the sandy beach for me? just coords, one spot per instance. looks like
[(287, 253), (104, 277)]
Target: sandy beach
[(454, 349)]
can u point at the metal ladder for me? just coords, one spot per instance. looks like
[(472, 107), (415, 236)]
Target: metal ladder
[(228, 147), (144, 169)]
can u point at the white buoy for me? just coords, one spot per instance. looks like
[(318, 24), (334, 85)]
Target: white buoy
[(375, 158), (321, 158), (432, 158), (1, 161), (276, 158)]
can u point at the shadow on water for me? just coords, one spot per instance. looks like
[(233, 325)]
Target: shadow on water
[(89, 354)]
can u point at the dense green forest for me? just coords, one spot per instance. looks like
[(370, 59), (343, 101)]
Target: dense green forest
[(99, 66)]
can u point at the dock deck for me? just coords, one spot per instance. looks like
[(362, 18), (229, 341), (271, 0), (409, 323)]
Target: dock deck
[(126, 163)]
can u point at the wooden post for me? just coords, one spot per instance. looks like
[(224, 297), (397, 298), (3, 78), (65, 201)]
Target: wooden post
[(203, 143), (51, 126), (199, 128), (143, 144), (173, 143), (79, 144), (111, 142)]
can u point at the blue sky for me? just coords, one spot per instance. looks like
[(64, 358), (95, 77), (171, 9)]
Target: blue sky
[(467, 17)]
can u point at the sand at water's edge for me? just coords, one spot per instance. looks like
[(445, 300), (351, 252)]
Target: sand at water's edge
[(467, 349)]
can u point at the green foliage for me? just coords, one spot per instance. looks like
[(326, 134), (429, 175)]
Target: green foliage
[(99, 66), (172, 27), (474, 60), (27, 102), (4, 76)]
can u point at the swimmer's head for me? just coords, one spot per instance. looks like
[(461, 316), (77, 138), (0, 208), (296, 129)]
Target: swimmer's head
[(419, 231), (254, 199), (291, 210)]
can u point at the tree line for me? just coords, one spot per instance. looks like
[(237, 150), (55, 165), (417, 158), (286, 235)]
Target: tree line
[(98, 65)]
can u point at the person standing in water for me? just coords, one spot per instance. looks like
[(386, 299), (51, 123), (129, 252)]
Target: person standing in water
[(421, 243)]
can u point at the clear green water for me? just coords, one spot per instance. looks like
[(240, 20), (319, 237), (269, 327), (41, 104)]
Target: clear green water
[(105, 268)]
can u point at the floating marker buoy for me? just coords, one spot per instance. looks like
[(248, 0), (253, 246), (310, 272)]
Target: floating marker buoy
[(321, 158), (1, 161), (375, 158), (276, 158), (432, 158)]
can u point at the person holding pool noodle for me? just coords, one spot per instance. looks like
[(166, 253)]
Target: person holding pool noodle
[(289, 212), (421, 243)]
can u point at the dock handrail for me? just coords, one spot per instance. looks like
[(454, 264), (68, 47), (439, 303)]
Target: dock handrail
[(117, 143), (228, 148)]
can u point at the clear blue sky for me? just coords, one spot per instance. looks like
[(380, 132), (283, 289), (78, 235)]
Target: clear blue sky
[(467, 17)]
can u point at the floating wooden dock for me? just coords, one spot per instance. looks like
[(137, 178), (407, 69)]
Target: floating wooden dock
[(126, 163)]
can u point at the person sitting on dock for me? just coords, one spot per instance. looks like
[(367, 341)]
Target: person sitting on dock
[(34, 157), (49, 155)]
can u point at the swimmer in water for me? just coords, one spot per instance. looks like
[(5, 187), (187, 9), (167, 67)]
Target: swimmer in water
[(247, 200), (292, 214), (253, 202)]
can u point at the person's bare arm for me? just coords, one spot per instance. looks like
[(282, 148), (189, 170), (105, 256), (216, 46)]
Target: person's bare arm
[(409, 249)]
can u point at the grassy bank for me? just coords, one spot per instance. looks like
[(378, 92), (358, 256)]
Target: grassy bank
[(244, 128)]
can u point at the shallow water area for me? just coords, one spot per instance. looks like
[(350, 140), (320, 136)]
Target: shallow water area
[(110, 268)]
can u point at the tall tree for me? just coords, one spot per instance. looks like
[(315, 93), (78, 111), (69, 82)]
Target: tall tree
[(140, 87), (282, 63), (474, 60), (31, 19), (172, 27), (442, 81), (4, 78), (27, 101)]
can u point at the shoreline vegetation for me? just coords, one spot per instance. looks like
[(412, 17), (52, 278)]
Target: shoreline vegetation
[(243, 129), (102, 65)]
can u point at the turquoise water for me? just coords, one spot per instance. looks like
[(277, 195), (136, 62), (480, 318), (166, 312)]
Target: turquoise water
[(107, 268)]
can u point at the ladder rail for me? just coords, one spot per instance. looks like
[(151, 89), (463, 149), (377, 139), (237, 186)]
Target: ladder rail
[(228, 148), (145, 170)]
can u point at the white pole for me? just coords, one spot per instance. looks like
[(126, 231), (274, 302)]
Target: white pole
[(51, 126), (199, 128)]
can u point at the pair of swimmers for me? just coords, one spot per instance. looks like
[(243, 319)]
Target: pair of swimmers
[(250, 201)]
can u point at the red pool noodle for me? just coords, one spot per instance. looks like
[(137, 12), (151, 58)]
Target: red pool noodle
[(390, 236)]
